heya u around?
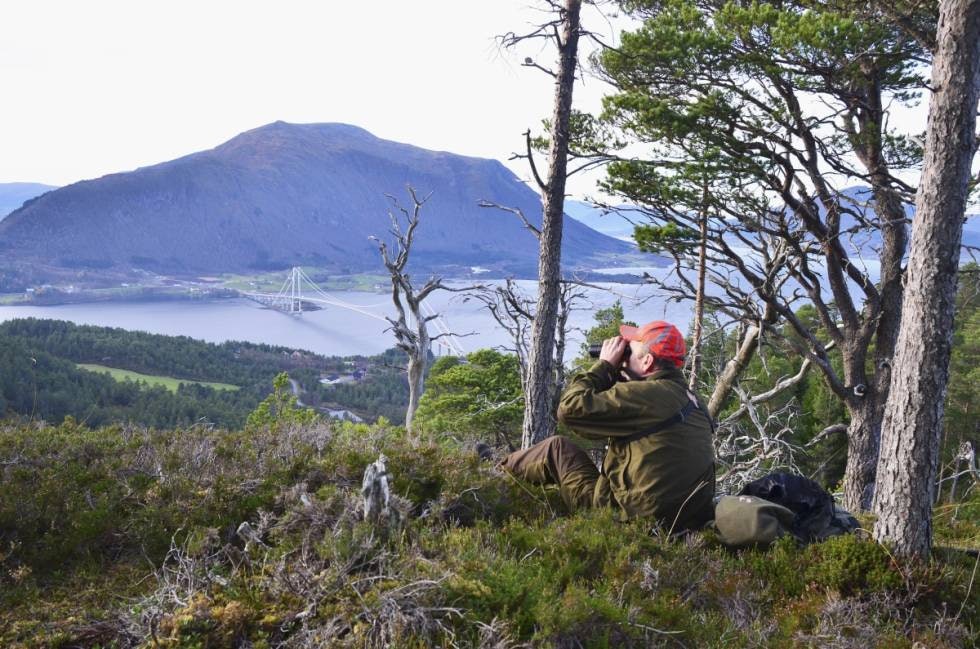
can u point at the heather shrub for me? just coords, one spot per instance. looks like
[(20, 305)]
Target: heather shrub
[(207, 538), (851, 565)]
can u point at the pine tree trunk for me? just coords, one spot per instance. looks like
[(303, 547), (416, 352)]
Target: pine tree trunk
[(539, 419), (867, 412), (863, 443), (914, 412)]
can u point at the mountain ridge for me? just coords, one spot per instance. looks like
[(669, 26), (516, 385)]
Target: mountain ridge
[(619, 221), (287, 194)]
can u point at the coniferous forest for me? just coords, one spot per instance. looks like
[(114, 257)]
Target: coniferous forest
[(42, 380)]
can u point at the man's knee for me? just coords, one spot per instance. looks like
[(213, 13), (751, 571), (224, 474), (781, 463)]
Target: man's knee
[(556, 446), (534, 463), (544, 462), (559, 442), (568, 457), (557, 460)]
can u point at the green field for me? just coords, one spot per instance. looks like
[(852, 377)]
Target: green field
[(166, 381), (11, 298)]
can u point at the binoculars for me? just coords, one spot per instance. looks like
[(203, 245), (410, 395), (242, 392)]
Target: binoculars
[(596, 348)]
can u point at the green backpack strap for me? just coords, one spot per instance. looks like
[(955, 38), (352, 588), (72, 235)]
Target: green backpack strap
[(744, 521)]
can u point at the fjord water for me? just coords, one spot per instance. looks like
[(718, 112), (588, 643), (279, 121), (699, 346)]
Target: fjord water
[(334, 331)]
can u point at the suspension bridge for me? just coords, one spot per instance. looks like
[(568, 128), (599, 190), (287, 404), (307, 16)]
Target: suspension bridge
[(298, 290)]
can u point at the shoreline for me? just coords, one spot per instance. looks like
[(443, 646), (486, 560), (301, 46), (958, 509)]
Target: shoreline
[(94, 296), (336, 330), (210, 290)]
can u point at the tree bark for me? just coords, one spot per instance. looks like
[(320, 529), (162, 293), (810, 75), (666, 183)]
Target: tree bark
[(418, 359), (863, 444), (699, 298), (747, 347), (914, 412), (539, 419)]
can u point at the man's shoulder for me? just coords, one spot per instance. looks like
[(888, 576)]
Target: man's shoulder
[(663, 381), (672, 374), (653, 390)]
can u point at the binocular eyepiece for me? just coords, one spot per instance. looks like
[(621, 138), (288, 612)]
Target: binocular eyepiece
[(596, 348)]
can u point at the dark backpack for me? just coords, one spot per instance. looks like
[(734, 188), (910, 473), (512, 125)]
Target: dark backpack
[(780, 504), (816, 517)]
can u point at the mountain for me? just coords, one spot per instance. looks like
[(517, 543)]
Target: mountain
[(13, 195), (290, 194), (859, 199)]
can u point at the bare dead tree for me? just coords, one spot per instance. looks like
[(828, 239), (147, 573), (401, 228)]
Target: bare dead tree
[(514, 310), (751, 443), (913, 418), (782, 385), (754, 438), (410, 325), (967, 455)]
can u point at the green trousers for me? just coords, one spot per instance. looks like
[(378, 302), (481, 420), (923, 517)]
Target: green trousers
[(557, 460)]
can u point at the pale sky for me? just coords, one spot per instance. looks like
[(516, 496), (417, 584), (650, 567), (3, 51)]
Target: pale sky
[(99, 86)]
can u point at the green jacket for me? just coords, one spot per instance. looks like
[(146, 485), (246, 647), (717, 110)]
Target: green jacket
[(668, 475)]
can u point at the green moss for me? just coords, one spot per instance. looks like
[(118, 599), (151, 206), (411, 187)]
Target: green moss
[(588, 616)]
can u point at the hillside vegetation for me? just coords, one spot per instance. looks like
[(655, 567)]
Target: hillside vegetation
[(127, 537)]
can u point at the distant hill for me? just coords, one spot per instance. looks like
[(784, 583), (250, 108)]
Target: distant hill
[(971, 231), (869, 243), (13, 195), (619, 224), (288, 194)]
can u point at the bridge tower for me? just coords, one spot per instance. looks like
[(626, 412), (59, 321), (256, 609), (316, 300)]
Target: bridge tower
[(290, 300), (295, 291)]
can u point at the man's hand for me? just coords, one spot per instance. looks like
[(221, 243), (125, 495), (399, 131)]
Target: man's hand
[(612, 350)]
